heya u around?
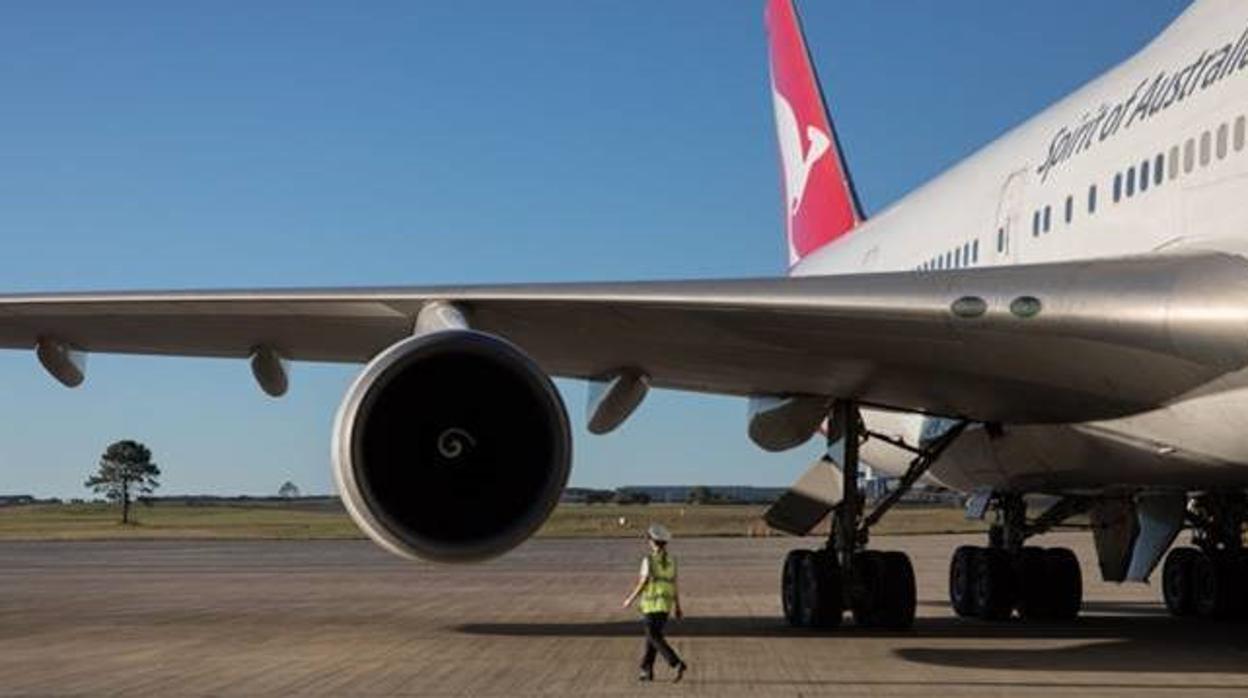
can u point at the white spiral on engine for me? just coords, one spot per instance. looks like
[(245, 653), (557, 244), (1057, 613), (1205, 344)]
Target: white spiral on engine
[(454, 441)]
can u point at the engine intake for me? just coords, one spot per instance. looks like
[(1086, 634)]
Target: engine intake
[(452, 446)]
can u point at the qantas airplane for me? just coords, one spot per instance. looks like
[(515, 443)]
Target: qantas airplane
[(1063, 317)]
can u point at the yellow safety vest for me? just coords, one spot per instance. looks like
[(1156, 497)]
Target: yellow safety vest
[(659, 594)]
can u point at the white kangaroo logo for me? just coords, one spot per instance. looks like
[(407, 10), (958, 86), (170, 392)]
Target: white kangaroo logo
[(797, 165)]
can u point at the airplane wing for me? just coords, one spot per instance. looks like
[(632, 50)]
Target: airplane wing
[(1041, 343)]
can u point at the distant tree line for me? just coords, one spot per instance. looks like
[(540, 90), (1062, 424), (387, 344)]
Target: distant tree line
[(700, 494)]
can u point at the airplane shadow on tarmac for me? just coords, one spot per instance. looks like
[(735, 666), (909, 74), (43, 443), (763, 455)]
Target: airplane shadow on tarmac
[(1140, 638)]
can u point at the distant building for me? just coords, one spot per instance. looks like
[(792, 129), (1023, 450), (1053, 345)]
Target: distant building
[(16, 500), (585, 495)]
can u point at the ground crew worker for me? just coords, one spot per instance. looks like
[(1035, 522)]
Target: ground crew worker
[(659, 597)]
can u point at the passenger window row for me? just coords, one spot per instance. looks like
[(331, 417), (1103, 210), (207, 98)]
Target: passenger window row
[(964, 255), (1153, 171)]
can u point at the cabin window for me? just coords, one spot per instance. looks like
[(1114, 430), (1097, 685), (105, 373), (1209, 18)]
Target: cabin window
[(1239, 134), (1047, 210), (1000, 240), (1070, 208), (957, 258), (1159, 168), (1224, 133), (1189, 155), (966, 253), (1206, 148), (975, 251), (1130, 182), (1145, 171), (1117, 187), (948, 260), (1035, 224), (1092, 199), (1174, 161)]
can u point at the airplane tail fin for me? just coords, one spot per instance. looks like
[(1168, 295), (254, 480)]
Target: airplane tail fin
[(820, 203)]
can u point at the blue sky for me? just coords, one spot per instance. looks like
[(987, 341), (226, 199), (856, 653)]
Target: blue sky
[(169, 145)]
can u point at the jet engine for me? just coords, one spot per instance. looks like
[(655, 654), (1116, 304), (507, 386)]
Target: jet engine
[(451, 446)]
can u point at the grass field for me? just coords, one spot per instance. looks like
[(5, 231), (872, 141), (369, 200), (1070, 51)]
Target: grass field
[(235, 522)]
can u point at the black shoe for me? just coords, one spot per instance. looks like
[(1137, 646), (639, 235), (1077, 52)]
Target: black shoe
[(680, 672), (645, 676)]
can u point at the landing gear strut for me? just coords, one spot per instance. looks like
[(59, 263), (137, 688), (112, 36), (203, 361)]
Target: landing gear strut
[(1008, 576), (1208, 580), (877, 588)]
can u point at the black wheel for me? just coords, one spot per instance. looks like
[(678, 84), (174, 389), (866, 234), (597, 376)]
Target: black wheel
[(1178, 583), (884, 590), (995, 586), (897, 599), (962, 580), (790, 594), (868, 589), (1206, 586), (1065, 582), (1035, 590), (819, 591), (1218, 584)]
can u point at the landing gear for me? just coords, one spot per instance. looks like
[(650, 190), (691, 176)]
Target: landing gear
[(1210, 580), (995, 582), (877, 588)]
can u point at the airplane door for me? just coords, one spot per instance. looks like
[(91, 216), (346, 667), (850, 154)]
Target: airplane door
[(1010, 225)]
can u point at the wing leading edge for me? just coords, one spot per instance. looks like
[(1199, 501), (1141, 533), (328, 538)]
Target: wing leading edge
[(1042, 343)]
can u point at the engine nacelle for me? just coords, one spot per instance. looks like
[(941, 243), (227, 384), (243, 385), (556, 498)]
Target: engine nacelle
[(451, 446)]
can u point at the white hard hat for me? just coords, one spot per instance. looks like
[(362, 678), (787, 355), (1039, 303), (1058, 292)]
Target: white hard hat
[(658, 533)]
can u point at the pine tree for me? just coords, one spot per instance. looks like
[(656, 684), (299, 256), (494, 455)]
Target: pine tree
[(126, 469)]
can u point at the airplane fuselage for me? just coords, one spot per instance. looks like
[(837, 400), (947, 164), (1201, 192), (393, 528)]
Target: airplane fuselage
[(1151, 157)]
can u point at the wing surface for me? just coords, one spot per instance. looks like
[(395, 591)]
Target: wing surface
[(1041, 343)]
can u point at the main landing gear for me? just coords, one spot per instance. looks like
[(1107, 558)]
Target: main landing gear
[(994, 582), (1209, 580), (877, 588)]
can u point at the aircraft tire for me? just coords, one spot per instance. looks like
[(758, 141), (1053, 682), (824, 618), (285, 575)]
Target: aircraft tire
[(1036, 593), (790, 586), (1218, 579), (819, 591), (1064, 580), (885, 590), (867, 596), (962, 580), (1178, 583), (995, 585), (898, 600)]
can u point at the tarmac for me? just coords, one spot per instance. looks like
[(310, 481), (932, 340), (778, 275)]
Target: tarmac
[(343, 618)]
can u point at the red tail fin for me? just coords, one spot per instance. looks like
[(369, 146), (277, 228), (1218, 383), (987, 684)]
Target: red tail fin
[(820, 204)]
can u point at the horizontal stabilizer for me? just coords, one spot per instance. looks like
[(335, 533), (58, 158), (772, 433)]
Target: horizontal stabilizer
[(804, 505)]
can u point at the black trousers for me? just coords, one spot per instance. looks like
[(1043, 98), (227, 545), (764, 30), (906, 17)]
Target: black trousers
[(656, 643)]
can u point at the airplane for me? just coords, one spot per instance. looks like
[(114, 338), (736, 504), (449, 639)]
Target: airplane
[(1056, 326)]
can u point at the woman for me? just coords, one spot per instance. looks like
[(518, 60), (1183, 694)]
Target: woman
[(659, 597)]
